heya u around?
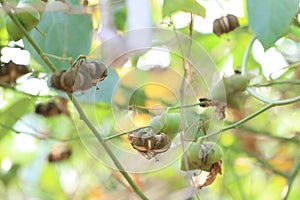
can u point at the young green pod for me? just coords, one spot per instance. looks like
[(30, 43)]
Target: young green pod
[(202, 156), (39, 5), (13, 31), (168, 123), (233, 85), (28, 16)]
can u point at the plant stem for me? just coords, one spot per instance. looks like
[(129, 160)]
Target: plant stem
[(106, 148), (292, 82), (124, 133), (68, 59), (249, 117), (291, 177), (267, 134), (253, 92), (28, 37), (202, 103), (77, 105)]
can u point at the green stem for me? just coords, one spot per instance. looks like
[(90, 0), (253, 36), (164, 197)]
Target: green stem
[(69, 59), (124, 133), (249, 117), (293, 82), (291, 177), (244, 72), (270, 103), (253, 92), (106, 148), (76, 104), (202, 103), (29, 38), (263, 161), (267, 134), (234, 125)]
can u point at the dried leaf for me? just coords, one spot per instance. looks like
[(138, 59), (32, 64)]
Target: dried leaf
[(216, 169)]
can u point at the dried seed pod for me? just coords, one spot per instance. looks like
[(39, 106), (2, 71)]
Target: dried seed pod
[(142, 140), (9, 72), (56, 79), (47, 110), (148, 143), (59, 153), (225, 24), (72, 80), (162, 143), (98, 71), (81, 76), (83, 80), (202, 156)]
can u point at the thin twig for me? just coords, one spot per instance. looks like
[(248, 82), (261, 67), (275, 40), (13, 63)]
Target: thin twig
[(291, 177), (124, 133), (252, 92), (106, 148), (292, 82), (253, 115)]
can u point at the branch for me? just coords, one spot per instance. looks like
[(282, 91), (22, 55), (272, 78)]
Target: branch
[(291, 177), (106, 148), (28, 37), (253, 92), (292, 82), (249, 117), (77, 106)]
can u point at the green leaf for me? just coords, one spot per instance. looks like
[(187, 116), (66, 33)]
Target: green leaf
[(67, 35), (172, 6), (270, 19), (11, 115)]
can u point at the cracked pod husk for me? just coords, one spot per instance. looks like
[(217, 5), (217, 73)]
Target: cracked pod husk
[(149, 144)]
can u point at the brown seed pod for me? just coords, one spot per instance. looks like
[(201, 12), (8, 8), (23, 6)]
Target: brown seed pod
[(148, 143), (56, 79), (59, 153), (81, 76), (162, 143), (9, 72), (225, 24), (67, 81), (98, 71), (47, 110)]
